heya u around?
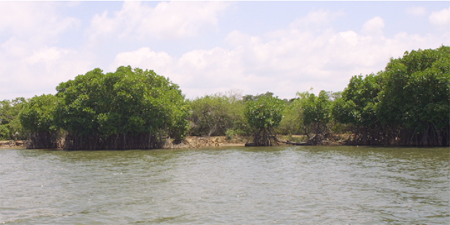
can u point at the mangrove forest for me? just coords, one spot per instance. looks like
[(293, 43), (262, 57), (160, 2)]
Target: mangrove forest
[(406, 104)]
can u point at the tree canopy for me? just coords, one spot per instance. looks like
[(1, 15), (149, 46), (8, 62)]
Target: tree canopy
[(130, 108), (38, 116), (218, 114), (10, 126), (406, 104), (263, 115)]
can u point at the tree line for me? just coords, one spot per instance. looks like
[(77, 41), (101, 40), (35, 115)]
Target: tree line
[(406, 104)]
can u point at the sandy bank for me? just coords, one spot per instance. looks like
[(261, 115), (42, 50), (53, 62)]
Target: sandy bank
[(198, 142), (189, 142), (12, 144), (203, 142)]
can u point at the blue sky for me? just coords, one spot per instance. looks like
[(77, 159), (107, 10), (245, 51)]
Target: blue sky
[(211, 47)]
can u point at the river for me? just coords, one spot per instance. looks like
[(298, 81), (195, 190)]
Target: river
[(227, 185)]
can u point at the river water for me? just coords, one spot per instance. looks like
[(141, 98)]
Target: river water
[(234, 185)]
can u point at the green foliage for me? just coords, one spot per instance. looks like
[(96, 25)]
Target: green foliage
[(263, 115), (416, 90), (292, 120), (358, 102), (4, 132), (10, 127), (309, 114), (316, 109), (128, 103), (38, 117), (230, 133), (407, 103), (256, 97), (215, 114)]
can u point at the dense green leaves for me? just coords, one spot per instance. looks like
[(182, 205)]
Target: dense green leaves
[(416, 89), (407, 103), (310, 115), (217, 114), (10, 126), (129, 103), (292, 121), (130, 108), (38, 117), (263, 115), (316, 109), (357, 105)]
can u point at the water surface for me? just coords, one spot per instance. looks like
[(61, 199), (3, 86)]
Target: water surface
[(281, 185)]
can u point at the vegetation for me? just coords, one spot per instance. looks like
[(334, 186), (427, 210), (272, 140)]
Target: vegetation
[(122, 110), (10, 126), (316, 112), (38, 117), (406, 104), (263, 115), (127, 109), (218, 115), (311, 116)]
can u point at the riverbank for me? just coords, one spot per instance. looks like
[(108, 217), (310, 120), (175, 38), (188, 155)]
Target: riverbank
[(12, 144), (217, 141), (203, 142), (212, 141), (189, 142)]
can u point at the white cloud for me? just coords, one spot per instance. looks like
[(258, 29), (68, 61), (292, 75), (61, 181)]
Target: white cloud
[(168, 20), (316, 18), (101, 25), (29, 61), (144, 57), (40, 73), (283, 64), (441, 18), (306, 53), (373, 27), (416, 10), (26, 71), (34, 21)]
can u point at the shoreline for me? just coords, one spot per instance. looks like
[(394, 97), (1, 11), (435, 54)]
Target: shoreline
[(205, 141), (188, 142), (19, 144), (192, 142)]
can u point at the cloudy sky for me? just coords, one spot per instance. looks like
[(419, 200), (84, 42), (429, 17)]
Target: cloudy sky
[(210, 47)]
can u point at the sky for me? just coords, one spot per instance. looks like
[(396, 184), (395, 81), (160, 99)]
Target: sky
[(213, 47)]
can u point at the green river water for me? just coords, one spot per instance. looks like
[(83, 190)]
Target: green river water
[(232, 185)]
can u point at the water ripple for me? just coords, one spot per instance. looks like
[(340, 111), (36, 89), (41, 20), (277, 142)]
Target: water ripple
[(284, 185)]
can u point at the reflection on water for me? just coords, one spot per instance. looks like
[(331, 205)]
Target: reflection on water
[(308, 184)]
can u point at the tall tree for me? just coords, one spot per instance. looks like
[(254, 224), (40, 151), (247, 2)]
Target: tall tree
[(263, 115), (406, 104), (316, 115), (38, 117), (414, 100), (130, 108), (10, 126), (216, 114), (357, 106)]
